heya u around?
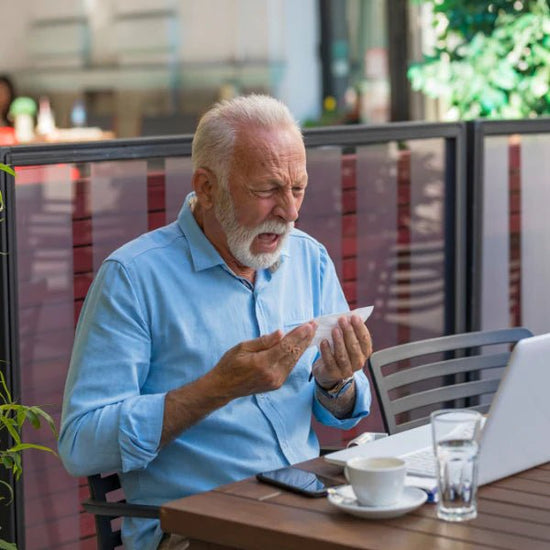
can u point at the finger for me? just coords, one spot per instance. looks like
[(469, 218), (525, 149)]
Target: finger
[(293, 345), (328, 369), (264, 342), (353, 347), (340, 350), (363, 335)]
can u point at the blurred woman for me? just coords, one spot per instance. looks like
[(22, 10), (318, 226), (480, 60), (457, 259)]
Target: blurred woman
[(7, 95)]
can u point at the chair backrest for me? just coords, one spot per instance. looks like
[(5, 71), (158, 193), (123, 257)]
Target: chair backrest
[(461, 370), (108, 505)]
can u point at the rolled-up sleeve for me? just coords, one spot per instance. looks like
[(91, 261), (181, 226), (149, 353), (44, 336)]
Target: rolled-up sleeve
[(106, 423)]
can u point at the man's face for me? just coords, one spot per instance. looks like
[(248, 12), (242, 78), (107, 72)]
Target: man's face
[(264, 192)]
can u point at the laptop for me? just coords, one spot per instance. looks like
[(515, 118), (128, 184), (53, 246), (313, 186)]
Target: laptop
[(515, 434)]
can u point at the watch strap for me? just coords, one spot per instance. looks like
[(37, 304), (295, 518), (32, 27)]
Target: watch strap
[(336, 391)]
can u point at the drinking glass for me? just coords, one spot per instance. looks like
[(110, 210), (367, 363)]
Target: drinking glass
[(456, 444)]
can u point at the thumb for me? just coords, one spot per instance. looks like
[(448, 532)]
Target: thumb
[(264, 342)]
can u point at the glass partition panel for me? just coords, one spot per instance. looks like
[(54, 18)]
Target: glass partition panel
[(534, 298)]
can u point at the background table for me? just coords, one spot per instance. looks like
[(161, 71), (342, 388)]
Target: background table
[(514, 513)]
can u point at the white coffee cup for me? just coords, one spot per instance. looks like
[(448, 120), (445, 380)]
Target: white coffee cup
[(376, 481)]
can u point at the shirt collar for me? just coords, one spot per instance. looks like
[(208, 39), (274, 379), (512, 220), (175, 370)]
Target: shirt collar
[(203, 253)]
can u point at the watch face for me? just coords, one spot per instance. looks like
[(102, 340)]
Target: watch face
[(339, 389)]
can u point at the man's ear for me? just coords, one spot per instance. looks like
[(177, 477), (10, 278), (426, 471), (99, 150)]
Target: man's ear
[(204, 185)]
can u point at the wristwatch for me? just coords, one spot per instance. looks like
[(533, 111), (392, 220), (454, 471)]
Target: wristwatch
[(338, 390)]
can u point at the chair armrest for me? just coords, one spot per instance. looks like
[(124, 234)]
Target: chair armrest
[(116, 509)]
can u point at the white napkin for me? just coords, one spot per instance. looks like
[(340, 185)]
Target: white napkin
[(326, 323)]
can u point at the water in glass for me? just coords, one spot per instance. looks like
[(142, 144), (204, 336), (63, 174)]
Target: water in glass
[(457, 464)]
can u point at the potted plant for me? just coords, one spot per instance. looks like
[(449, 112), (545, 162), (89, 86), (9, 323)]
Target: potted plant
[(13, 417)]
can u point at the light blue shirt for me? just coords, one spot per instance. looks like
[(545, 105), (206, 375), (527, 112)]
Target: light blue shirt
[(161, 312)]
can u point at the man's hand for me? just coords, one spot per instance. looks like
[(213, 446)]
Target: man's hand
[(352, 346), (258, 365), (262, 364)]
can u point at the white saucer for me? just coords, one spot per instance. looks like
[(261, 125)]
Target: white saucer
[(344, 499)]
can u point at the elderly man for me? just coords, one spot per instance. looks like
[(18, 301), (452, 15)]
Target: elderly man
[(192, 359)]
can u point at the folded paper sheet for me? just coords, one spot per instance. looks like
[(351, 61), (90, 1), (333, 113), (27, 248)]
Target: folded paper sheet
[(328, 322)]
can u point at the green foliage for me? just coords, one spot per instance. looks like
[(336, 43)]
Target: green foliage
[(13, 417), (492, 59), (7, 169)]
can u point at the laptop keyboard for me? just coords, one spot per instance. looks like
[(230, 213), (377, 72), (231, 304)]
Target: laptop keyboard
[(421, 462)]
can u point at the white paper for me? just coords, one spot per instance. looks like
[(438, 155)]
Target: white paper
[(326, 323)]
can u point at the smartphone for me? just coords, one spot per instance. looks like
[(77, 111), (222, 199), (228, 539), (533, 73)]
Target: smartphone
[(298, 481)]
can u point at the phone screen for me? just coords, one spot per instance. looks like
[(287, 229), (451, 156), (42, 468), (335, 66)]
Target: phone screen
[(298, 481)]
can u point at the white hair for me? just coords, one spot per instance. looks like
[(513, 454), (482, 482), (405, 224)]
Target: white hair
[(215, 137)]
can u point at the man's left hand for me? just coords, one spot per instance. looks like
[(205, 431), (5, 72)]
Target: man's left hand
[(351, 347)]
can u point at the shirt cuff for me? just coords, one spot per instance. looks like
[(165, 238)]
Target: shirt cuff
[(360, 409), (140, 430)]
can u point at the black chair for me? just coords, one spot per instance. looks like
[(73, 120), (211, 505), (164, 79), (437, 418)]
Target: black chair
[(461, 370), (107, 504)]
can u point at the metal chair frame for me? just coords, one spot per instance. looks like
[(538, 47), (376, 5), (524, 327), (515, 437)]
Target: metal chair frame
[(465, 358)]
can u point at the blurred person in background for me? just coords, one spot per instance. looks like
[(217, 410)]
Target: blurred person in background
[(7, 95)]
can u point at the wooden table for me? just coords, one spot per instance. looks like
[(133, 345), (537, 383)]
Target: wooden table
[(514, 513)]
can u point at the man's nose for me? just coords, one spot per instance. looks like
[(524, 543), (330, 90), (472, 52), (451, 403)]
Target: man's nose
[(287, 207)]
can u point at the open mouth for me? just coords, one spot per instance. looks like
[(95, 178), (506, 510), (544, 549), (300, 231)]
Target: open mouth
[(268, 242), (268, 237)]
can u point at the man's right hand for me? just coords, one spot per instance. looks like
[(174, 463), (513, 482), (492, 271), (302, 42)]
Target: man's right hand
[(262, 364)]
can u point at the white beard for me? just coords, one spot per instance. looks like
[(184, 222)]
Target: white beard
[(240, 238)]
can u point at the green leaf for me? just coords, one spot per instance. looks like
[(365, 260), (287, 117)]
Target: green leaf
[(4, 545), (11, 425), (7, 169), (23, 446), (7, 461), (34, 419), (20, 417), (45, 416), (4, 392)]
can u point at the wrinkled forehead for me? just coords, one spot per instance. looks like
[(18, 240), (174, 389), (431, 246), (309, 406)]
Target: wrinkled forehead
[(260, 145)]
